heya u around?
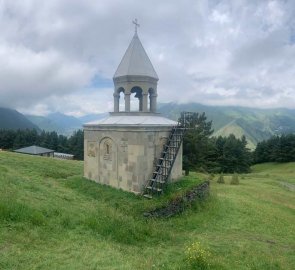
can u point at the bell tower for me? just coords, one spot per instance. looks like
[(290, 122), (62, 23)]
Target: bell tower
[(136, 74), (122, 149)]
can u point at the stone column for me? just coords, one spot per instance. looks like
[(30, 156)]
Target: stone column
[(140, 103), (116, 102), (144, 102), (153, 103), (127, 102)]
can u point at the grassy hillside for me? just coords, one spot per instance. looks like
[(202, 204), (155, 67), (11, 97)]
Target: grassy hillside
[(52, 218), (255, 124), (12, 119)]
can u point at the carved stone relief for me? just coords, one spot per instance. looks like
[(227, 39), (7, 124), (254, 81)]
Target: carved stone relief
[(91, 149), (107, 149), (124, 145)]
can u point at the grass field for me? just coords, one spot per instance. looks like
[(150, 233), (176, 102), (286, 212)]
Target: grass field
[(52, 218)]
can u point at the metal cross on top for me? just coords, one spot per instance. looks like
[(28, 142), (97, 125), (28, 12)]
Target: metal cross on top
[(136, 25)]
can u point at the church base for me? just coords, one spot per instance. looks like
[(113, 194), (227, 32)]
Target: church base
[(125, 156)]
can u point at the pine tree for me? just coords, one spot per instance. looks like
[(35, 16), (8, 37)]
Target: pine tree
[(196, 143)]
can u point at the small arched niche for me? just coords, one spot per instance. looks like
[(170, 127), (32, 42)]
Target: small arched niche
[(107, 160)]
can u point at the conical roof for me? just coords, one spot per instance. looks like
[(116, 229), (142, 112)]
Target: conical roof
[(135, 61)]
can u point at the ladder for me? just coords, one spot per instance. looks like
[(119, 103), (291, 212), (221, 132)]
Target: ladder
[(160, 176)]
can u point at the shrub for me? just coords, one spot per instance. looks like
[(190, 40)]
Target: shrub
[(211, 176), (220, 179), (234, 179), (197, 256)]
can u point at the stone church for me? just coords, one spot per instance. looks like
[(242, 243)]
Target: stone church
[(122, 150)]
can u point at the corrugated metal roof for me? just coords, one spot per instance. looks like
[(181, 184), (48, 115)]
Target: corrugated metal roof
[(134, 120), (34, 150), (135, 61), (62, 154)]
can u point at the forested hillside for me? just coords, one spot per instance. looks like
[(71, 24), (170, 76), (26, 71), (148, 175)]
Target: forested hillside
[(12, 119), (255, 124)]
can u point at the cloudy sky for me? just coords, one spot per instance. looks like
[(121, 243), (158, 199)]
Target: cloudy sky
[(60, 55)]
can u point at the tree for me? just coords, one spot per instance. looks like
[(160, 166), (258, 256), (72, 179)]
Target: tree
[(196, 143), (276, 149), (76, 144), (7, 138), (10, 139), (232, 154)]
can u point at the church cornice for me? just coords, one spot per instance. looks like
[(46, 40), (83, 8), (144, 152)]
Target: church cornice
[(134, 78)]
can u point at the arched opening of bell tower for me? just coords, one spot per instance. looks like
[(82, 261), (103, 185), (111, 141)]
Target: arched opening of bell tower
[(119, 103), (136, 105)]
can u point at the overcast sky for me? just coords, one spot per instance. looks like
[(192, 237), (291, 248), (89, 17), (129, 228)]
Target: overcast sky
[(61, 55)]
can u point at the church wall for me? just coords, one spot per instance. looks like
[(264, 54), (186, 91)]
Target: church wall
[(131, 157), (176, 172)]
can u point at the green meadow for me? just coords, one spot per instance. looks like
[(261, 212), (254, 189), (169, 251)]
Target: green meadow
[(53, 218)]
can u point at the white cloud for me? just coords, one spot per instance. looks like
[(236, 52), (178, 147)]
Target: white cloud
[(213, 52)]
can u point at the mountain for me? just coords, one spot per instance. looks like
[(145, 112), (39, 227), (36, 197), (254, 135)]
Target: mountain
[(12, 119), (66, 121), (45, 123), (92, 117), (255, 124), (61, 123)]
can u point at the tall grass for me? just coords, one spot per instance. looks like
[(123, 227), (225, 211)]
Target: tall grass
[(53, 218)]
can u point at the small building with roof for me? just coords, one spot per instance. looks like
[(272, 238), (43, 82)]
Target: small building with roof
[(123, 149), (36, 150)]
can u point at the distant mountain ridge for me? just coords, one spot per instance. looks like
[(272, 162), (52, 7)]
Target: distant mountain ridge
[(63, 124), (255, 124), (12, 119)]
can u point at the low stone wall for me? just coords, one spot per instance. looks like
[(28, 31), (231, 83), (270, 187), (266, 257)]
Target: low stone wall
[(179, 204)]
